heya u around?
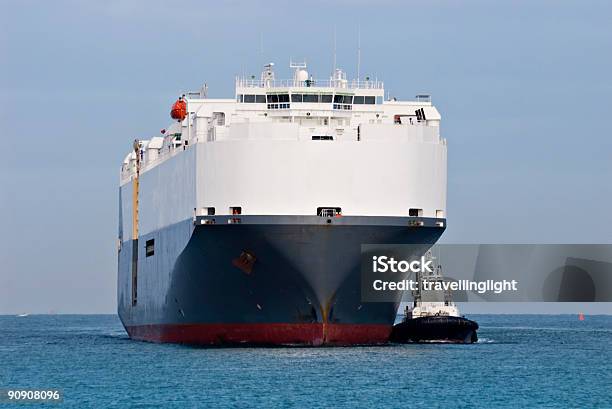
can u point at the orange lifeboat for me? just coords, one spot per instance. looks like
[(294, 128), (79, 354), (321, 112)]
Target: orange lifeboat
[(179, 110)]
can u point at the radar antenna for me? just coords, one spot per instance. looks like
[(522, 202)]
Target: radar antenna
[(300, 76)]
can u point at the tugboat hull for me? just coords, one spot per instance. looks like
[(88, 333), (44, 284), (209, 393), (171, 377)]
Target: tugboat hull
[(446, 329)]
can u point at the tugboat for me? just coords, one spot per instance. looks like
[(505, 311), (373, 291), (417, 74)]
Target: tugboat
[(433, 316)]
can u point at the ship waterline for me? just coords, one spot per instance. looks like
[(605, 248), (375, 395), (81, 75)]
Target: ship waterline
[(273, 334)]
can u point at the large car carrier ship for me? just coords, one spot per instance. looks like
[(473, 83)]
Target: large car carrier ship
[(242, 222)]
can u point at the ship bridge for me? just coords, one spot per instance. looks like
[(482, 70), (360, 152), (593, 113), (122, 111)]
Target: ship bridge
[(301, 108), (302, 94)]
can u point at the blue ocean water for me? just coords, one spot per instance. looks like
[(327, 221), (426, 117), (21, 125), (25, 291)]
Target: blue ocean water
[(520, 361)]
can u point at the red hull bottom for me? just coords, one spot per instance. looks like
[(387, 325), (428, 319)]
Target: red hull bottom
[(315, 334)]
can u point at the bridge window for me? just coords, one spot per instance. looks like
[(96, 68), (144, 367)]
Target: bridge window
[(370, 100), (311, 98), (358, 99), (278, 101), (260, 99), (275, 98), (326, 98), (343, 99), (250, 99), (296, 97), (343, 102), (322, 138)]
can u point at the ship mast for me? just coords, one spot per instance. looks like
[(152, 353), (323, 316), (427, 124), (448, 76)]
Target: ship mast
[(135, 192)]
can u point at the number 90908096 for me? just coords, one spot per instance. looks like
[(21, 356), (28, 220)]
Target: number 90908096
[(30, 395)]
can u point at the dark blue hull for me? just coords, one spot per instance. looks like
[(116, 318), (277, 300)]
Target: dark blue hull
[(262, 280)]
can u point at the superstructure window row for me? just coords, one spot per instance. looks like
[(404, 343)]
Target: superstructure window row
[(312, 98), (251, 99), (279, 106), (282, 100), (306, 98), (343, 99), (276, 98), (361, 99), (278, 101)]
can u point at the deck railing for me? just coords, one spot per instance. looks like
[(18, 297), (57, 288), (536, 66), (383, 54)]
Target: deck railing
[(352, 84)]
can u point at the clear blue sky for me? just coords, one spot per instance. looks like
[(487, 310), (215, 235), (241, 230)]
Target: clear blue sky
[(525, 90)]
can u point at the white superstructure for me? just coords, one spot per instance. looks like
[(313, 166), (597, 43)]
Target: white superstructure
[(433, 303), (291, 147)]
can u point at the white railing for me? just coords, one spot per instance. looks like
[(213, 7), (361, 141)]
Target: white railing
[(352, 84), (167, 151)]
